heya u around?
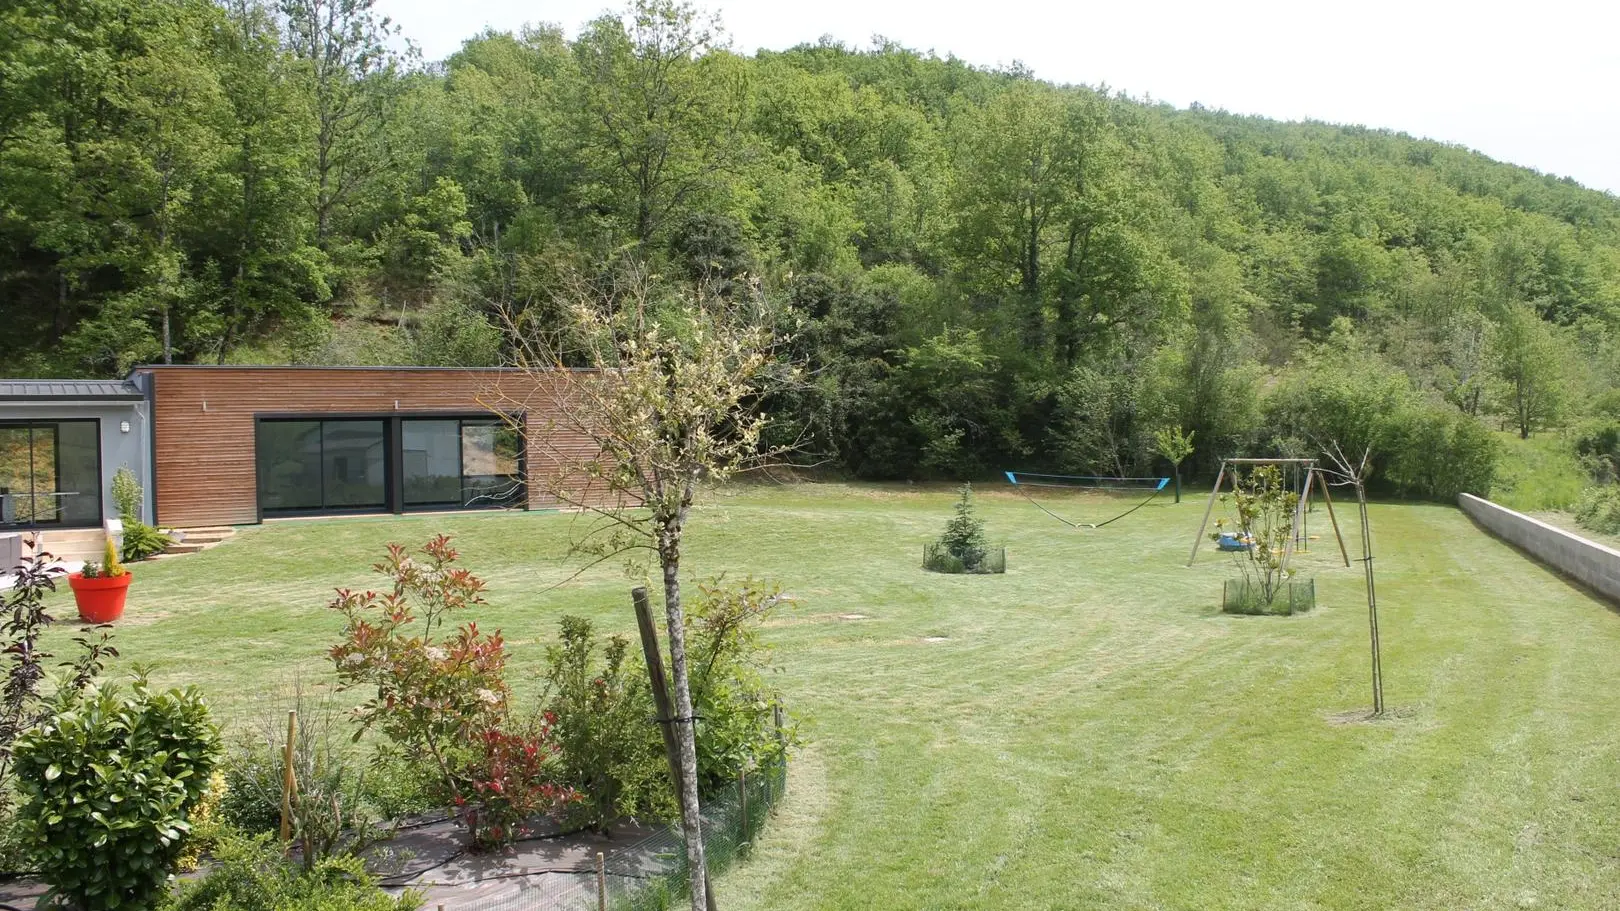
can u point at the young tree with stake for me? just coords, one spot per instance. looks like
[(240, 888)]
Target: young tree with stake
[(676, 403)]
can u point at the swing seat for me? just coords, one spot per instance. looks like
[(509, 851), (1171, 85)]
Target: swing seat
[(1233, 541)]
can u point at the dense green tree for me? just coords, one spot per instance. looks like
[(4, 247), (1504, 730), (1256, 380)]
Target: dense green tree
[(980, 269)]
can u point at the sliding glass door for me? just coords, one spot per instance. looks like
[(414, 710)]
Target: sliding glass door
[(460, 463), (320, 465), (310, 466), (50, 474)]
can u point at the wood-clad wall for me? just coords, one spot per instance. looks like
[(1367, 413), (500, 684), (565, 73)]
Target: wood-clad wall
[(203, 425)]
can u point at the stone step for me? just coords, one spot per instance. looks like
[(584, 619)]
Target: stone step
[(200, 538), (223, 531), (185, 547)]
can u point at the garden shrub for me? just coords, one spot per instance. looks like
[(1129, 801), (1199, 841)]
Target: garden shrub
[(601, 711), (512, 777), (398, 786), (126, 494), (1265, 506), (330, 813), (730, 688), (140, 540), (442, 696), (207, 820), (107, 783), (22, 623), (1599, 509), (253, 874), (1350, 396)]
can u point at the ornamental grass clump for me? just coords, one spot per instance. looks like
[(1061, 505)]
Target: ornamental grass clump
[(441, 695)]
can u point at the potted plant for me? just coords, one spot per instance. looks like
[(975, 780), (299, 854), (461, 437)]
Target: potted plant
[(99, 589)]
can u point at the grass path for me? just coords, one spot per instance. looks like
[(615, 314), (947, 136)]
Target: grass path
[(1086, 731)]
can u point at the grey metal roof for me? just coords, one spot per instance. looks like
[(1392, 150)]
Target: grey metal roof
[(68, 390)]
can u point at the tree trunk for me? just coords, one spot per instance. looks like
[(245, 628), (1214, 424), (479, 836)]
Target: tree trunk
[(669, 553)]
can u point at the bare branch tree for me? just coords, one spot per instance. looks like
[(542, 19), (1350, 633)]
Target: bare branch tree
[(675, 401), (1354, 474)]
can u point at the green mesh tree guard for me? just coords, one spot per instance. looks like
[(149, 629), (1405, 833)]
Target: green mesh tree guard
[(1241, 596), (937, 558)]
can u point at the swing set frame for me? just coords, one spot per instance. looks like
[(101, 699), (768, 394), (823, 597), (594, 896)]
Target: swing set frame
[(1315, 478)]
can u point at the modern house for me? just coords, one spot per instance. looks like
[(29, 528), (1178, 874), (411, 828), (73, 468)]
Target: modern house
[(238, 445)]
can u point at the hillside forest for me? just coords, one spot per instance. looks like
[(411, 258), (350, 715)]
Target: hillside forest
[(978, 269)]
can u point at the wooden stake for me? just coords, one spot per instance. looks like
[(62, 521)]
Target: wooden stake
[(654, 655), (1213, 494), (1328, 499), (742, 795), (601, 882), (289, 781)]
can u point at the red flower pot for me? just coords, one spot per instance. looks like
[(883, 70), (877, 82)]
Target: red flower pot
[(101, 599)]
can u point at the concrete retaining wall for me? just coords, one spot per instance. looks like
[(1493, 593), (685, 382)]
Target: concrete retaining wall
[(1588, 562)]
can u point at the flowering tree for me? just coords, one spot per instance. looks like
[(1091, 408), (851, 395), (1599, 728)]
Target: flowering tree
[(676, 403), (442, 696)]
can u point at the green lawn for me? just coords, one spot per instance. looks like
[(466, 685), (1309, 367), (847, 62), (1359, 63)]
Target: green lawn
[(1089, 733)]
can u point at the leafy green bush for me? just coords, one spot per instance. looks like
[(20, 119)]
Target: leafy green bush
[(252, 874), (1349, 396), (600, 712), (731, 691), (1599, 509), (107, 782), (397, 786), (1597, 443), (142, 540), (126, 492)]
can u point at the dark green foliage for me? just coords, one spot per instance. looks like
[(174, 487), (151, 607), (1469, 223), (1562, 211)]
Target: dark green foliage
[(963, 548), (964, 533), (1599, 509), (107, 781), (141, 541), (601, 711), (1597, 443), (1346, 395), (731, 687), (937, 558), (253, 874), (979, 270)]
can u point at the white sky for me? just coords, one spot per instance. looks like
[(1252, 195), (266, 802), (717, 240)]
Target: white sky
[(1535, 82)]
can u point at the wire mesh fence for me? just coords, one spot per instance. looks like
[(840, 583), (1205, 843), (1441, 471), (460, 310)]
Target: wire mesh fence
[(938, 558), (649, 874), (1245, 596)]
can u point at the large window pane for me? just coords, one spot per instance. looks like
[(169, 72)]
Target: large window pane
[(77, 471), (490, 458), (289, 465), (432, 462), (50, 474), (16, 476), (352, 463)]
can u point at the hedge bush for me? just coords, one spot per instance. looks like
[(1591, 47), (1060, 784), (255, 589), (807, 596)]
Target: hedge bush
[(1599, 509), (107, 782)]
